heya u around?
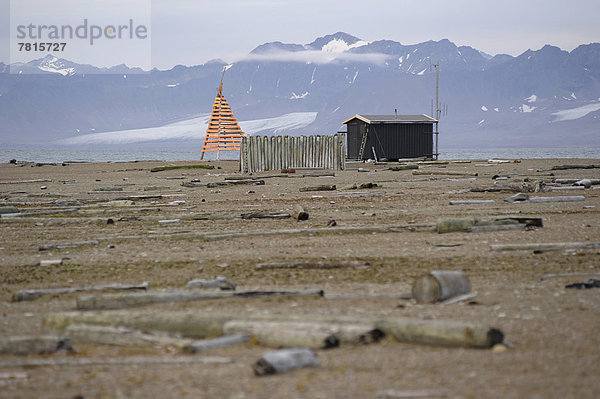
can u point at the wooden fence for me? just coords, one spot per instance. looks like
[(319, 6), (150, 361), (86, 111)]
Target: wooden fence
[(260, 153)]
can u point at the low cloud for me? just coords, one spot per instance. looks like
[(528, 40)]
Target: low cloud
[(316, 57)]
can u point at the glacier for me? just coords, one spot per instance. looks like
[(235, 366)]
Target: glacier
[(192, 129)]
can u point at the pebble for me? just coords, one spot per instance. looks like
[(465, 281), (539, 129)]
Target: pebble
[(499, 348)]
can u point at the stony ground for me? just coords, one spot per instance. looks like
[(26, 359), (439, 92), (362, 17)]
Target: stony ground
[(554, 331)]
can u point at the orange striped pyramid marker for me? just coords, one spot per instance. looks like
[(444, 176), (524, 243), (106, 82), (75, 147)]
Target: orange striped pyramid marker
[(223, 133)]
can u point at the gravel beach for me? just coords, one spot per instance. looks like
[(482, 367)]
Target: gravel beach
[(93, 224)]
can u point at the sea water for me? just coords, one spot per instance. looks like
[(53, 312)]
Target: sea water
[(193, 153)]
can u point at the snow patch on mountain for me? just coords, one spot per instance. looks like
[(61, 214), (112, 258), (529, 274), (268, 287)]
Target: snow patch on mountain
[(192, 129), (575, 113), (484, 108), (531, 99), (54, 65), (299, 96), (527, 108), (340, 46), (283, 123)]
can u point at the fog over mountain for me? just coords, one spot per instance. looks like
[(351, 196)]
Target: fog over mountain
[(545, 97)]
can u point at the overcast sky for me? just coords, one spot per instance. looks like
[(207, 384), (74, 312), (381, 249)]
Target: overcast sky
[(191, 32)]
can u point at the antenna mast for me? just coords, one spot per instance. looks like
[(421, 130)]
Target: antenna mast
[(437, 107)]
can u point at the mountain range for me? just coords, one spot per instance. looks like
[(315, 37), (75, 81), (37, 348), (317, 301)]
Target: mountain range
[(542, 98)]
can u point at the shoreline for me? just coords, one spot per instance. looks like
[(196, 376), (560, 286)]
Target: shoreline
[(128, 225)]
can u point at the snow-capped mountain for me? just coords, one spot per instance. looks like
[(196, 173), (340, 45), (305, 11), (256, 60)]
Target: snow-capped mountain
[(546, 97), (50, 64)]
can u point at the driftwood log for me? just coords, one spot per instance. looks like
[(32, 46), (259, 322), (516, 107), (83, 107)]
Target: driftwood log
[(68, 245), (440, 285), (220, 282), (283, 360), (447, 225), (565, 167), (125, 336), (199, 346), (441, 332), (192, 324), (121, 336), (236, 183), (120, 301), (352, 264), (411, 394), (471, 202), (29, 345), (116, 361), (265, 215), (299, 212), (30, 295), (26, 181), (442, 172), (8, 210), (403, 167), (560, 198), (545, 246), (311, 334), (325, 187)]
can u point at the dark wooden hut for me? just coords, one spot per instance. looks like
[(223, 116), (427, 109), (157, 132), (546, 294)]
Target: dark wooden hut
[(390, 136)]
